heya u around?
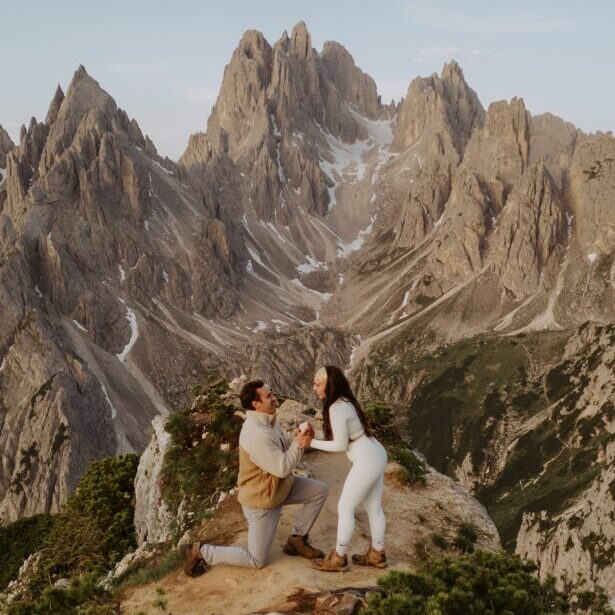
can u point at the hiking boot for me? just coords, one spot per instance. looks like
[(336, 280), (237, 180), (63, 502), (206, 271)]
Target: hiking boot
[(371, 557), (299, 545), (193, 562), (332, 563)]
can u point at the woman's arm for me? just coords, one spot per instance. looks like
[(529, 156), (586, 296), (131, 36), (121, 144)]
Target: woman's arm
[(339, 426)]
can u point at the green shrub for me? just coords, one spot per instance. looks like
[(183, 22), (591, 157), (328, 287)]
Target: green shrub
[(414, 468), (466, 537), (82, 597), (149, 570), (378, 414), (18, 541), (439, 540), (201, 460), (481, 583), (594, 601), (94, 529)]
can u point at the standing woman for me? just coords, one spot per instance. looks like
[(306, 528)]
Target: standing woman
[(346, 429)]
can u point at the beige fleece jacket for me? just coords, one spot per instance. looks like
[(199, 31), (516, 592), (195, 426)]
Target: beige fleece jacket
[(267, 458)]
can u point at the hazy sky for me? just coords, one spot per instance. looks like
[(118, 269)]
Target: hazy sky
[(163, 61)]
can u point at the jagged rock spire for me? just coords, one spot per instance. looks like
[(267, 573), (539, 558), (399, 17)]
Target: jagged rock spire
[(301, 41), (444, 109), (6, 145), (54, 107)]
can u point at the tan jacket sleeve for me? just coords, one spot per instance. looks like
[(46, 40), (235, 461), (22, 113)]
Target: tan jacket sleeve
[(265, 450)]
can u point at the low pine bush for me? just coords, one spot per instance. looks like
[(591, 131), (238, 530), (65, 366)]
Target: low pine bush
[(18, 541), (481, 583), (202, 458)]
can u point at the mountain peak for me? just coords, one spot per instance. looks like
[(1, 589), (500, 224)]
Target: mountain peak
[(6, 145), (79, 74), (452, 76), (54, 106), (442, 105), (450, 70), (300, 40), (252, 43)]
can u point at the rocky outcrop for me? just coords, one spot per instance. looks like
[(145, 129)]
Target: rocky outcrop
[(579, 541), (443, 110), (578, 537), (152, 516), (530, 237), (6, 145), (553, 141), (354, 86), (288, 362), (414, 514)]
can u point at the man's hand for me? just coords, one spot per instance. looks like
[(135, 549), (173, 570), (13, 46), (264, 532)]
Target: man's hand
[(303, 440)]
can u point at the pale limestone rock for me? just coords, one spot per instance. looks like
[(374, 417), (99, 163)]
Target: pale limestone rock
[(288, 363), (292, 413), (355, 86), (528, 243), (152, 516), (18, 589), (274, 104), (498, 153), (6, 145), (140, 555), (444, 110), (552, 142), (424, 204)]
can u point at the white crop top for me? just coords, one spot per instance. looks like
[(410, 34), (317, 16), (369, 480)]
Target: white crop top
[(345, 425)]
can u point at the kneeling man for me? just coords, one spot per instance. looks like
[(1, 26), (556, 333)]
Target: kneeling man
[(267, 458)]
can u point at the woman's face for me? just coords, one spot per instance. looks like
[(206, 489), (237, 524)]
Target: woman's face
[(319, 388)]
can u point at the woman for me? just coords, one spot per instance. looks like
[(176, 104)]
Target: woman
[(346, 429)]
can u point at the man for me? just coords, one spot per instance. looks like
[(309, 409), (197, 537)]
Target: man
[(267, 458)]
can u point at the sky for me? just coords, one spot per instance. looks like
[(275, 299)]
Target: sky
[(163, 61)]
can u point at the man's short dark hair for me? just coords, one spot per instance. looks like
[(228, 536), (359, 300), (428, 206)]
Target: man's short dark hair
[(248, 393)]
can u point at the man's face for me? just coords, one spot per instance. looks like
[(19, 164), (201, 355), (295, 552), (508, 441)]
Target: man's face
[(267, 401)]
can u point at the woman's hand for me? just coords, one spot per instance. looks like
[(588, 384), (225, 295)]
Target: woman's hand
[(307, 428)]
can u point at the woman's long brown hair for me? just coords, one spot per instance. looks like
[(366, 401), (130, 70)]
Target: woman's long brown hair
[(337, 387)]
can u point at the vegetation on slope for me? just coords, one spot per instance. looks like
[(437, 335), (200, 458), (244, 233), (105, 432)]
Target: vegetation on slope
[(481, 583), (91, 533), (202, 460), (467, 401)]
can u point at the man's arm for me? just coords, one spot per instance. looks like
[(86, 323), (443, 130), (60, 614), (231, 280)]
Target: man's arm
[(265, 451)]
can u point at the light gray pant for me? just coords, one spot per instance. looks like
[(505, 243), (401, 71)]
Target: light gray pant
[(263, 522)]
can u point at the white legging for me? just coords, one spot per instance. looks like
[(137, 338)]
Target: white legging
[(364, 483)]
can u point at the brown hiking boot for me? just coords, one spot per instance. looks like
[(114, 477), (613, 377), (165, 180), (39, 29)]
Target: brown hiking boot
[(332, 563), (193, 562), (299, 545), (371, 557)]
